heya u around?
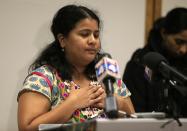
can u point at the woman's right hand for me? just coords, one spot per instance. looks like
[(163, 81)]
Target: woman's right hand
[(85, 96)]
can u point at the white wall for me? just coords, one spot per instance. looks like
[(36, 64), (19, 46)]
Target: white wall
[(170, 4)]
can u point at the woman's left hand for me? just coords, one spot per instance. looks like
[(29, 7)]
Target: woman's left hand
[(101, 95)]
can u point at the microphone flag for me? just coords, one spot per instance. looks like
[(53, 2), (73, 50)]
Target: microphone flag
[(105, 68)]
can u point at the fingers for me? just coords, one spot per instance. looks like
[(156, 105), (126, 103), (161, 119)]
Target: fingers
[(99, 102), (96, 102), (96, 95), (96, 92), (88, 95), (99, 105)]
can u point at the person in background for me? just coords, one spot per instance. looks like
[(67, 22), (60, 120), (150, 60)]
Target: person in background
[(168, 37), (61, 86)]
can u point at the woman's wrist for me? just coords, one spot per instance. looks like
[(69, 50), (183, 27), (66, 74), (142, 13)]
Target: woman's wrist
[(124, 104), (72, 101)]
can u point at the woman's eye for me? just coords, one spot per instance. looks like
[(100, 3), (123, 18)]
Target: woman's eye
[(96, 35), (180, 41), (84, 33), (89, 33)]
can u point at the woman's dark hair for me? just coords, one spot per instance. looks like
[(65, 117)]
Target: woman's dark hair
[(63, 22), (174, 22)]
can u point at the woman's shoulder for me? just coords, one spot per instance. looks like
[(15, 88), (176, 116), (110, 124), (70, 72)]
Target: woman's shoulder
[(39, 80), (45, 70), (139, 53), (137, 57)]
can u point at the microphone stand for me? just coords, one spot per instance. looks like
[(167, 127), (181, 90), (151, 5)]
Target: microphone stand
[(171, 106), (111, 108)]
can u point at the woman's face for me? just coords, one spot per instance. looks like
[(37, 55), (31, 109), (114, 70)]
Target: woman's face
[(82, 43), (176, 44)]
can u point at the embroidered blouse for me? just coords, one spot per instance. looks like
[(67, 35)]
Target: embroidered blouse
[(49, 84)]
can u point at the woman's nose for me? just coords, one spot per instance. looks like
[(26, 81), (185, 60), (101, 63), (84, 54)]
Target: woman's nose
[(92, 39)]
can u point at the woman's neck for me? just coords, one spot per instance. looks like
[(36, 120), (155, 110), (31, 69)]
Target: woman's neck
[(80, 79), (78, 72)]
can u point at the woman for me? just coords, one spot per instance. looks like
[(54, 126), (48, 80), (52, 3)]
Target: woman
[(61, 86), (169, 38)]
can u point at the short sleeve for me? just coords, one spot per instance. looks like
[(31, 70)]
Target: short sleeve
[(121, 89), (37, 83)]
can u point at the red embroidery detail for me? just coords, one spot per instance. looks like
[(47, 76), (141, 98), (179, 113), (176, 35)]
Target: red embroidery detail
[(45, 77), (119, 83)]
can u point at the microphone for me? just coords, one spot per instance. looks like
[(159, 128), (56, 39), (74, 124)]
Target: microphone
[(157, 62), (107, 71), (107, 68)]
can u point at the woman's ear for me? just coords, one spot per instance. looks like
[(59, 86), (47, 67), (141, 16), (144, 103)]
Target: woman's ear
[(61, 40)]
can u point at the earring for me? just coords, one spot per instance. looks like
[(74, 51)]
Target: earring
[(99, 51), (62, 49)]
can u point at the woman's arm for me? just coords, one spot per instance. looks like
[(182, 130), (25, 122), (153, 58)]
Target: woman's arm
[(125, 104), (35, 109)]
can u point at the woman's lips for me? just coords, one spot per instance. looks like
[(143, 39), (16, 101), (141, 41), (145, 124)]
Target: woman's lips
[(92, 51)]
